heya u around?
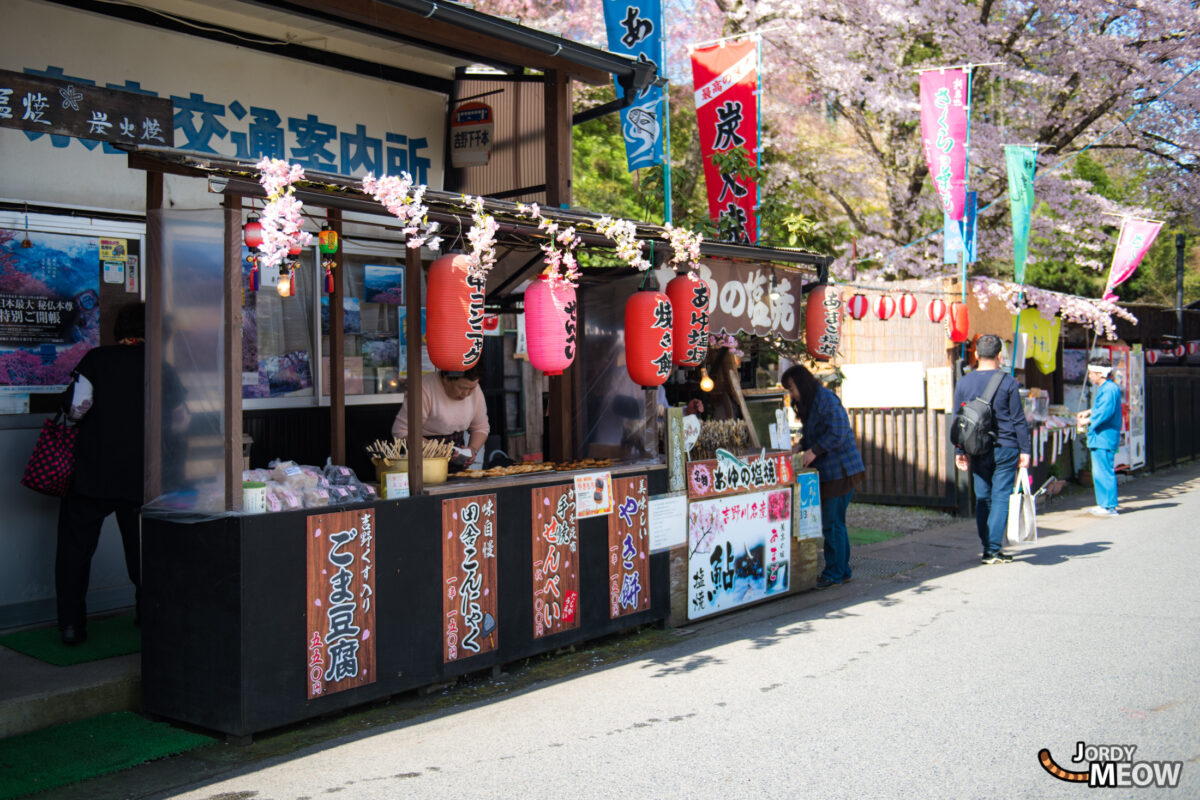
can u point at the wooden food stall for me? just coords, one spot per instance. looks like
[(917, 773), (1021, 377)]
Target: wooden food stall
[(255, 620)]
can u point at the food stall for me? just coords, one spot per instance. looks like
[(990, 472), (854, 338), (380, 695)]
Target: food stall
[(256, 620)]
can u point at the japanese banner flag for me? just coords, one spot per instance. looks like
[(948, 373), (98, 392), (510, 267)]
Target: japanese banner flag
[(1022, 162), (635, 29), (726, 81), (944, 133), (1136, 237)]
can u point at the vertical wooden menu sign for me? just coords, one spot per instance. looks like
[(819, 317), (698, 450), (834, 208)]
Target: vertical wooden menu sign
[(628, 548), (555, 560), (469, 606), (341, 614)]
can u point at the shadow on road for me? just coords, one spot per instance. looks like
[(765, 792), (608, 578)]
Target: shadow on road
[(1061, 553)]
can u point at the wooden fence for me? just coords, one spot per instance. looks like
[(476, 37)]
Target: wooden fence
[(907, 455), (1172, 415)]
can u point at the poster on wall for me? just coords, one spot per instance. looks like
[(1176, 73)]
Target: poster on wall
[(469, 605), (426, 365), (383, 284), (593, 494), (628, 548), (341, 612), (806, 510), (49, 307), (555, 534), (738, 550)]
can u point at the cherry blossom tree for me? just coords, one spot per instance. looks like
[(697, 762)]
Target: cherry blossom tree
[(841, 116)]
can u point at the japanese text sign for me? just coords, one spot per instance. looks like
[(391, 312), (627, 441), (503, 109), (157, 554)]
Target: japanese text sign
[(750, 297), (593, 494), (472, 128), (944, 114), (727, 475), (739, 550), (469, 603), (635, 29), (66, 108), (726, 81), (341, 612), (555, 560), (629, 549)]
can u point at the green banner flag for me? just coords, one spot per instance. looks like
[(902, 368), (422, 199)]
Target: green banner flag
[(1022, 161)]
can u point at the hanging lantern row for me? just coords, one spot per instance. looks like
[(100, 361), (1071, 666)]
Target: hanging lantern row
[(885, 307), (908, 305), (937, 310)]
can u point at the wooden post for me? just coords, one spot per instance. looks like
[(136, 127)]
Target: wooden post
[(232, 355), (412, 395), (559, 440), (337, 350), (735, 386), (152, 261)]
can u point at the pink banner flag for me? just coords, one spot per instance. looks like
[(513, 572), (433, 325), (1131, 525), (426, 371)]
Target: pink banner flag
[(944, 131), (1136, 237)]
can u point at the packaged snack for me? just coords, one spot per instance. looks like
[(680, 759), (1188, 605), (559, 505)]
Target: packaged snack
[(339, 475), (315, 497)]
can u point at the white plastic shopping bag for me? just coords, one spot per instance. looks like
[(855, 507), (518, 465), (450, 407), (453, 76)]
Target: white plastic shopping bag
[(1022, 512)]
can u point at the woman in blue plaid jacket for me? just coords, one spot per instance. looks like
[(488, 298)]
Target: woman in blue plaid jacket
[(828, 445)]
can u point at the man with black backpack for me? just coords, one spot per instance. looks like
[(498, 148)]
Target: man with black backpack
[(991, 438)]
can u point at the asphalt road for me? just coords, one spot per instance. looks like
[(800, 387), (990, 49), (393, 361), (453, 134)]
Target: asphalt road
[(943, 682)]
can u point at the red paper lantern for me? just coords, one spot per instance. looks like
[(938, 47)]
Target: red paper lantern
[(252, 232), (908, 305), (550, 324), (648, 324), (295, 249), (958, 323), (823, 322), (857, 306), (1151, 356), (1179, 351), (454, 314), (689, 310), (885, 307), (937, 310)]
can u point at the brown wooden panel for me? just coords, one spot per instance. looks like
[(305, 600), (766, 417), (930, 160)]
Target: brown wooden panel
[(469, 591), (555, 534), (628, 549), (341, 615)]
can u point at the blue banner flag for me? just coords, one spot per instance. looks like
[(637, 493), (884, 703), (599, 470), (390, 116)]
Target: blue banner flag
[(635, 29), (954, 233)]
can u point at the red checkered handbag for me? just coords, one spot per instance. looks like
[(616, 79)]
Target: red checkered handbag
[(53, 460)]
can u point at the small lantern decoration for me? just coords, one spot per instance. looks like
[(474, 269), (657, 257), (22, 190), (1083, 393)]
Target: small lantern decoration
[(885, 307), (252, 232), (958, 322), (1179, 351), (648, 346), (689, 310), (858, 306), (253, 281), (1193, 348), (1151, 356), (454, 309), (908, 305), (550, 309), (937, 310), (823, 322), (329, 264), (328, 240), (295, 249), (287, 282)]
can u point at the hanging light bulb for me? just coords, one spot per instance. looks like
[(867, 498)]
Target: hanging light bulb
[(706, 383), (773, 292), (284, 287)]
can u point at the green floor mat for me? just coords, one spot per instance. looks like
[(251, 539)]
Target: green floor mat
[(860, 536), (115, 636), (76, 751)]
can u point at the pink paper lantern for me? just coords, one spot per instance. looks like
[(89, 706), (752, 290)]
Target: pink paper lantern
[(908, 305), (550, 324), (885, 307)]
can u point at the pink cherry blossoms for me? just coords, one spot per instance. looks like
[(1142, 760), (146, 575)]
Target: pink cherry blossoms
[(405, 202), (282, 218), (482, 237), (685, 248), (1095, 314), (624, 233)]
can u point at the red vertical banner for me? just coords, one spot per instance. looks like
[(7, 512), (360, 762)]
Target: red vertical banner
[(469, 624), (628, 548), (555, 556), (726, 81), (341, 614)]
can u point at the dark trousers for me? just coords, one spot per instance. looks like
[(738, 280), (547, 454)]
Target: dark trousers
[(79, 521), (995, 475)]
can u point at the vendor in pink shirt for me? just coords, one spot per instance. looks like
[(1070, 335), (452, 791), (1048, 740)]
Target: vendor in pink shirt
[(453, 410)]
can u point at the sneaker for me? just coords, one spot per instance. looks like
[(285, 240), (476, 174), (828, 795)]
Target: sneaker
[(1104, 512), (989, 558), (825, 583), (1002, 558)]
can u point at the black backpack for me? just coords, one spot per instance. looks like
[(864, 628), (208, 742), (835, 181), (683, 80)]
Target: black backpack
[(974, 428)]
